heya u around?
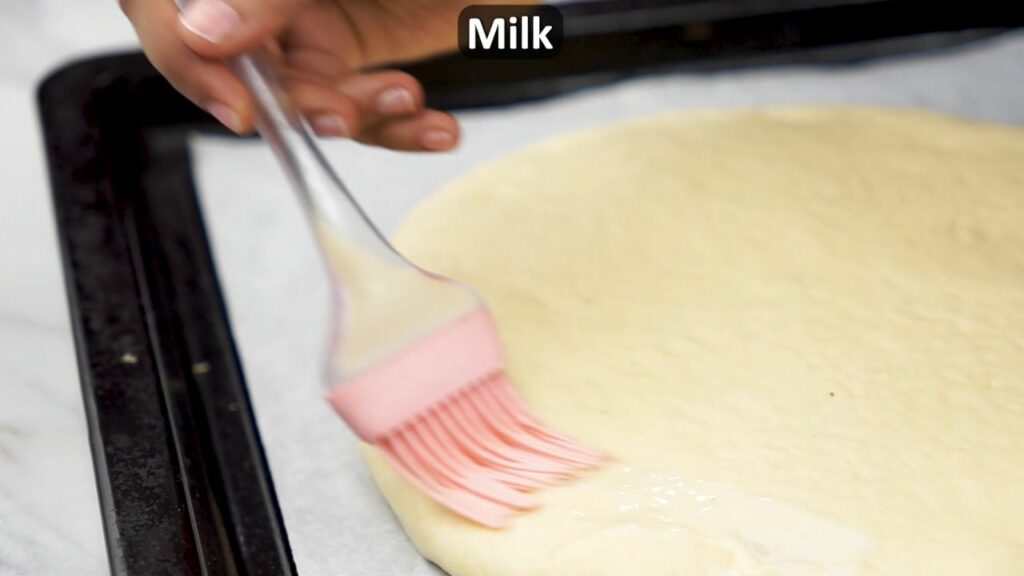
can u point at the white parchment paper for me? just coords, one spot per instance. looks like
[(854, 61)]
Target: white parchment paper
[(277, 293)]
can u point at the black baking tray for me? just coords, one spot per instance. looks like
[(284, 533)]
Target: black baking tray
[(183, 482)]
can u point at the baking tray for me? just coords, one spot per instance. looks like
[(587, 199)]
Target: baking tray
[(183, 480)]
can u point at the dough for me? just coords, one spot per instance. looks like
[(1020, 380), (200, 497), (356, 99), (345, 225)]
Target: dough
[(800, 331)]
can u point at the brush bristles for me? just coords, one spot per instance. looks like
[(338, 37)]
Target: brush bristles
[(480, 452)]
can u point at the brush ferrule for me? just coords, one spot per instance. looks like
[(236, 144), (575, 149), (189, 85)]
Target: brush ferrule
[(395, 391)]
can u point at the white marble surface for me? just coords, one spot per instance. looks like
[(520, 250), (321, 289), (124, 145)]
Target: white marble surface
[(49, 516), (276, 290)]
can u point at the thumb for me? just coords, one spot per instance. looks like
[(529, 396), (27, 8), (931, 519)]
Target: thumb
[(222, 28)]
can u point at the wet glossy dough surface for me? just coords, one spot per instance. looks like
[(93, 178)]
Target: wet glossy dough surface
[(800, 330)]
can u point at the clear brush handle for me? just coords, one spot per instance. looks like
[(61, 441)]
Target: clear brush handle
[(323, 194), (382, 301), (321, 191)]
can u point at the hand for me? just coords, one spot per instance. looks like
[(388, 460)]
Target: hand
[(322, 47)]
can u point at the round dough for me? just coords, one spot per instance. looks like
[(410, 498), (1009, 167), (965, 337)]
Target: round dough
[(800, 331)]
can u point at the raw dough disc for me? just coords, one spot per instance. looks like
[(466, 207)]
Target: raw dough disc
[(801, 331)]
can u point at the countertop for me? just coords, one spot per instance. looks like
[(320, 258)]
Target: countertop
[(49, 515)]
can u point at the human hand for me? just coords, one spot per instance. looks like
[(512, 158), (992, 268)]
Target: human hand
[(323, 47)]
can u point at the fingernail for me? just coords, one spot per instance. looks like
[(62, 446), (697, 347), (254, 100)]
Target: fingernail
[(396, 101), (211, 19), (437, 140), (225, 116), (330, 125)]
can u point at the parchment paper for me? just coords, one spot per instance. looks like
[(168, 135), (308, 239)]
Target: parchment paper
[(277, 293)]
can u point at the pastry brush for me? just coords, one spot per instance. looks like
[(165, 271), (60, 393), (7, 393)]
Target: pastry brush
[(416, 367)]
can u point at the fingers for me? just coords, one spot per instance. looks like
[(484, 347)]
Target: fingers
[(428, 131), (328, 111), (389, 105), (383, 108), (207, 83), (383, 96), (223, 28)]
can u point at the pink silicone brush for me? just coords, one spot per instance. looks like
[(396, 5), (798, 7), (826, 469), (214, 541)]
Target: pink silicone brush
[(416, 366)]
